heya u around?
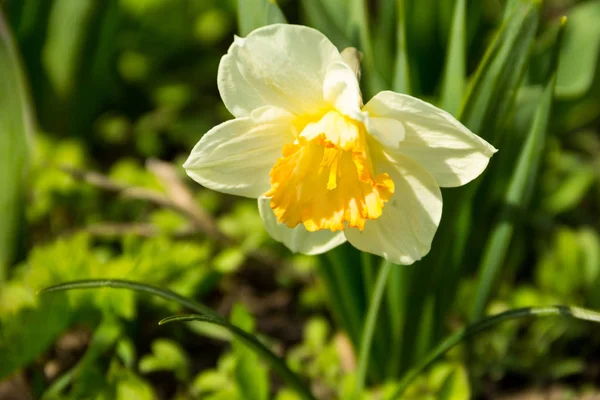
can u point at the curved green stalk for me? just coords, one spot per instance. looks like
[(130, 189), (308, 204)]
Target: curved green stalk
[(274, 361), (369, 328), (453, 340), (135, 286), (209, 315)]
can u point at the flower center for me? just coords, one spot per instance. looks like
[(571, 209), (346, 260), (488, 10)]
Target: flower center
[(325, 179)]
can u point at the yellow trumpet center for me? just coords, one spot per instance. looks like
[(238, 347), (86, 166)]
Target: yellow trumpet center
[(325, 179)]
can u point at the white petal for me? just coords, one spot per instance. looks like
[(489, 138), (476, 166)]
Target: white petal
[(447, 149), (236, 156), (341, 90), (388, 131), (298, 239), (404, 232), (280, 65)]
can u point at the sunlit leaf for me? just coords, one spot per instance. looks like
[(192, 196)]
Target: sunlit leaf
[(15, 131), (453, 83), (253, 14), (581, 48)]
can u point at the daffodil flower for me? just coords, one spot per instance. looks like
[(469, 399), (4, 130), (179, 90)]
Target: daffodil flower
[(324, 167)]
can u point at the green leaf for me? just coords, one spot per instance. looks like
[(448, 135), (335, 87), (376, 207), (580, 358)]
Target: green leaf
[(30, 332), (369, 326), (253, 14), (357, 29), (65, 42), (516, 197), (15, 131), (401, 83), (105, 337), (486, 323), (252, 378), (209, 316), (130, 386), (327, 17), (493, 88), (453, 84), (166, 355), (456, 385), (581, 43), (252, 342)]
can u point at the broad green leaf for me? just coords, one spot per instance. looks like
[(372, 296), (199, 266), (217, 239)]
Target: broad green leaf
[(571, 191), (484, 324), (15, 131), (580, 48), (167, 355), (130, 386), (252, 378), (453, 84), (253, 14), (30, 332)]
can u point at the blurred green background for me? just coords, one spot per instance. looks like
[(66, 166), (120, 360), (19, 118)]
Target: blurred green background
[(102, 100)]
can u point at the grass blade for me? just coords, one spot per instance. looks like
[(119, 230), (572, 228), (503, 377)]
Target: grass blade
[(15, 129), (517, 195), (275, 362), (369, 327), (317, 15), (401, 82), (455, 70), (253, 14), (209, 315), (360, 36), (134, 286), (499, 74), (453, 340)]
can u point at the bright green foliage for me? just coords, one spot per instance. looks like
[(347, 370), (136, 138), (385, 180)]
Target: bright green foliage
[(253, 14), (117, 82), (166, 355), (581, 43), (16, 121)]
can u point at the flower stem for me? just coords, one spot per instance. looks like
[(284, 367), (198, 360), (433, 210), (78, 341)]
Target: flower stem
[(369, 328)]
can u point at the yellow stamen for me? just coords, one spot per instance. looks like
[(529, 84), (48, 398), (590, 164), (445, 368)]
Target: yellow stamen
[(328, 185)]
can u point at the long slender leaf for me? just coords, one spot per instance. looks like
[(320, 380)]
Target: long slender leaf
[(275, 362), (105, 337), (134, 286), (471, 330), (360, 36), (516, 197), (401, 82), (499, 74), (369, 326), (253, 14), (454, 81), (15, 130), (208, 314), (488, 101), (317, 15)]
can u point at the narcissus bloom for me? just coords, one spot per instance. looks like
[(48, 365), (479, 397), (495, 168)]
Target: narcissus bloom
[(324, 167)]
